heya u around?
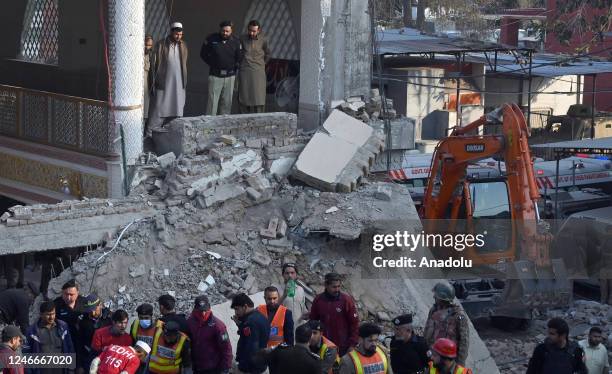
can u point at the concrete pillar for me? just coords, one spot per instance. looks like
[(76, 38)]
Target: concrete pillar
[(509, 31), (126, 44), (315, 14), (335, 56)]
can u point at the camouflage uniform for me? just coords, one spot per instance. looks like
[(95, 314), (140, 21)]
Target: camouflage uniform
[(449, 322)]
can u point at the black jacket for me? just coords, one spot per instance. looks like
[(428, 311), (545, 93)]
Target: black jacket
[(178, 318), (86, 328), (254, 331), (222, 56), (70, 316), (408, 357), (15, 305), (291, 359), (547, 359)]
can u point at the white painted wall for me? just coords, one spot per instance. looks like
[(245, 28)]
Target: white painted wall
[(510, 92)]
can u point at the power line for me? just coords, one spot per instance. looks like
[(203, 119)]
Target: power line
[(498, 92)]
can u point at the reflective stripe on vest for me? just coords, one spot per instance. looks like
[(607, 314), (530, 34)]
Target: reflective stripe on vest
[(276, 326), (376, 364), (458, 369), (166, 359), (327, 344), (138, 333)]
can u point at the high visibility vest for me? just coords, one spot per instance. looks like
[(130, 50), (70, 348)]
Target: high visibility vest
[(146, 335), (166, 358), (458, 369), (375, 364), (327, 344), (276, 327)]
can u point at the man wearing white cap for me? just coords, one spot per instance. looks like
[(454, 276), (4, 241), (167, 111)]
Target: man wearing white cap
[(117, 359), (169, 72)]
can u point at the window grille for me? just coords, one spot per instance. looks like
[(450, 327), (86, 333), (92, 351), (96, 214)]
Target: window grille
[(157, 20), (39, 38)]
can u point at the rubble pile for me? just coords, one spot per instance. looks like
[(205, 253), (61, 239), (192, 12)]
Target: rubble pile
[(221, 219), (512, 350), (366, 111)]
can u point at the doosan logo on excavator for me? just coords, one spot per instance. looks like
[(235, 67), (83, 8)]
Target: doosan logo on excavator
[(475, 148)]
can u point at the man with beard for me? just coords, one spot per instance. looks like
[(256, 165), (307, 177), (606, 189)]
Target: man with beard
[(408, 350), (95, 316), (279, 317), (168, 69), (252, 77), (557, 354), (222, 52), (595, 353), (368, 356), (171, 353), (337, 311), (324, 348), (443, 354), (114, 334), (12, 340)]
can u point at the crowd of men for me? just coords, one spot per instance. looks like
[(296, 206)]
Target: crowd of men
[(227, 57), (281, 336)]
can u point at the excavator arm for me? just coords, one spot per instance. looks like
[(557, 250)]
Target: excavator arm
[(532, 280), (446, 188)]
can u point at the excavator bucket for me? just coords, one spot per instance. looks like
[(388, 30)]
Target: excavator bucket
[(529, 287)]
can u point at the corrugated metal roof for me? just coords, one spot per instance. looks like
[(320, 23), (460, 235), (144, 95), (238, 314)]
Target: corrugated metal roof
[(596, 146), (411, 41)]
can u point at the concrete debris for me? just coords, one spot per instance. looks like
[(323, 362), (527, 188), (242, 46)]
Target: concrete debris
[(5, 216), (214, 255), (222, 193), (281, 229), (253, 194), (333, 209), (138, 271), (228, 139), (203, 286), (383, 193), (346, 147), (270, 231), (372, 110), (166, 160)]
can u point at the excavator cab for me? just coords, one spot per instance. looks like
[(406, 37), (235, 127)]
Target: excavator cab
[(516, 272)]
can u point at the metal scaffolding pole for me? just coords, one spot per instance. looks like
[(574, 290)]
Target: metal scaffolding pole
[(593, 108), (529, 90)]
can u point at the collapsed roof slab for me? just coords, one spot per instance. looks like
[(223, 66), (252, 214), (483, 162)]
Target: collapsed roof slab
[(68, 224)]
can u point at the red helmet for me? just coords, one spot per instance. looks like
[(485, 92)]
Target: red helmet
[(445, 348)]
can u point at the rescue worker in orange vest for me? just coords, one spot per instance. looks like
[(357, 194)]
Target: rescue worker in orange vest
[(280, 318), (170, 353), (368, 357), (143, 328), (324, 348), (443, 355)]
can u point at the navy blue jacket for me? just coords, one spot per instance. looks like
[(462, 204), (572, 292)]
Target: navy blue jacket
[(254, 331), (33, 341)]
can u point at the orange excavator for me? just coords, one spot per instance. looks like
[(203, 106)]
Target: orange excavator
[(519, 275)]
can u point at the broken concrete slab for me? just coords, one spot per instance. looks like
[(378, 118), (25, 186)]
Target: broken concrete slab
[(253, 194), (338, 155), (270, 231), (222, 193)]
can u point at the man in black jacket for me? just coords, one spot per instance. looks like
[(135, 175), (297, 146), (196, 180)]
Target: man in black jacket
[(408, 350), (95, 316), (166, 308), (254, 331), (15, 306), (223, 53), (296, 359), (557, 355)]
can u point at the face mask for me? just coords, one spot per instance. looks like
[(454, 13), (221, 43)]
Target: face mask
[(145, 323)]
